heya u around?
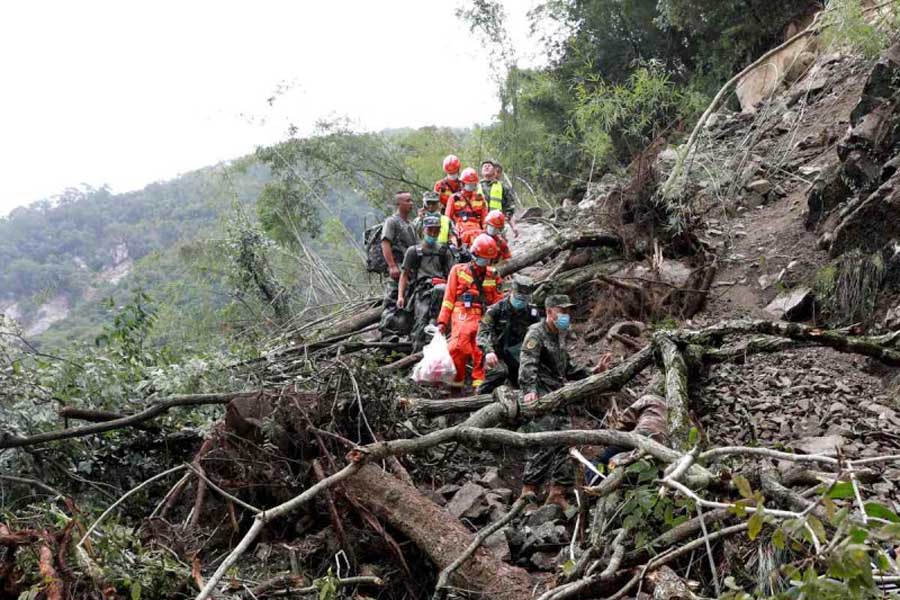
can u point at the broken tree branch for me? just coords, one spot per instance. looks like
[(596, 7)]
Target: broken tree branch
[(312, 589), (157, 408), (33, 483), (99, 416), (127, 495), (558, 243)]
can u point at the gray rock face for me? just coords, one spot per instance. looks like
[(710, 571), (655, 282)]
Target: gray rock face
[(532, 212), (497, 544), (546, 514), (491, 479), (543, 561), (760, 186), (794, 305), (825, 445), (467, 502)]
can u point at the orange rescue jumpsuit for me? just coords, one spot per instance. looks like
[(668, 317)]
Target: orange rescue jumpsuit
[(467, 210), (446, 187), (463, 304)]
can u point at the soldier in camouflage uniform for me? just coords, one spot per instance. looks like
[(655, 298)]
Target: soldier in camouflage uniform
[(423, 279), (545, 366), (501, 333)]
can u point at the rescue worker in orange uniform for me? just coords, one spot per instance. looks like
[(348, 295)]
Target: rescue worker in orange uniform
[(471, 288), (467, 208), (450, 184), (494, 226)]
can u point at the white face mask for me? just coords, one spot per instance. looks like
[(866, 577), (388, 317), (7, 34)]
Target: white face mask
[(453, 176), (470, 187), (491, 230)]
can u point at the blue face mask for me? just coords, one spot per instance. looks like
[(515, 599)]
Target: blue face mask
[(563, 321), (431, 240), (517, 303), (482, 262)]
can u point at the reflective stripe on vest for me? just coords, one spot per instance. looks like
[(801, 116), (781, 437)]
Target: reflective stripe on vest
[(496, 202)]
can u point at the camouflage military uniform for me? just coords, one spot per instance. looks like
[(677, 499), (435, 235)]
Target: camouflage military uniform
[(401, 235), (426, 267), (502, 331), (546, 366)]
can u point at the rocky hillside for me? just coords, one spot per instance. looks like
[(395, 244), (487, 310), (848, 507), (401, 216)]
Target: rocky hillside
[(748, 416)]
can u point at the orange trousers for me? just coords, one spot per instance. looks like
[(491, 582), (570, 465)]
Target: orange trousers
[(462, 345)]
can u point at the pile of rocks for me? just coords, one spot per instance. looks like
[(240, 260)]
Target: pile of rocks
[(811, 400), (536, 540)]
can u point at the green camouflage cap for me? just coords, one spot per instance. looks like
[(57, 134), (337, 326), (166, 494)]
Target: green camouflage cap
[(559, 300), (431, 221), (490, 161), (430, 197), (523, 285)]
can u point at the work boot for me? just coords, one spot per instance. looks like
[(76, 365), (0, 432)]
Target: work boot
[(556, 494)]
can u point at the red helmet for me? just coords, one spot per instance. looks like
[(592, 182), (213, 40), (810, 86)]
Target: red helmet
[(469, 175), (451, 164), (485, 246), (496, 218)]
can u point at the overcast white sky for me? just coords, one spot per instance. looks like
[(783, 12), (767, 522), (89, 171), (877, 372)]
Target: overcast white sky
[(126, 93)]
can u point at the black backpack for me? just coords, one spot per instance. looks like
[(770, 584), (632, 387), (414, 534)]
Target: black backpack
[(375, 262)]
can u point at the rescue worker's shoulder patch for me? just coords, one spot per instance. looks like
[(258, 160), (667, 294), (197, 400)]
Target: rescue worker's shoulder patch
[(531, 343), (487, 319)]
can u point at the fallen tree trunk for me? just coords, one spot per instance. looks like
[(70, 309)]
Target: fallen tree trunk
[(355, 323), (406, 361), (557, 243), (437, 534), (574, 279), (677, 400), (881, 347), (611, 380), (445, 406)]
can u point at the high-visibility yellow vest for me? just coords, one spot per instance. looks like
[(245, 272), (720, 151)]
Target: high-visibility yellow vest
[(496, 197), (444, 235)]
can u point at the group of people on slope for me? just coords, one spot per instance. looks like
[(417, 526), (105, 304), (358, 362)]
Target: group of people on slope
[(441, 268), (445, 256)]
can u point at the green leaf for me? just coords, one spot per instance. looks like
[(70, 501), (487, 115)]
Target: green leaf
[(693, 436), (817, 527), (568, 567), (842, 489), (830, 508), (136, 590), (778, 538), (879, 511), (755, 525), (743, 486)]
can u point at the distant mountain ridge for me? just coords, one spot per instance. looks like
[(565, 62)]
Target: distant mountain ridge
[(62, 253)]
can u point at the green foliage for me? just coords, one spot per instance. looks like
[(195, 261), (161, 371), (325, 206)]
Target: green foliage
[(846, 27), (843, 569), (726, 35), (847, 289), (625, 117), (644, 512), (621, 73)]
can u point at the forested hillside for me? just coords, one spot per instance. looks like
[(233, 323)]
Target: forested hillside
[(64, 258)]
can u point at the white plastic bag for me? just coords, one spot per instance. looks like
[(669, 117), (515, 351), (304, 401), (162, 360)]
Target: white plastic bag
[(436, 365)]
